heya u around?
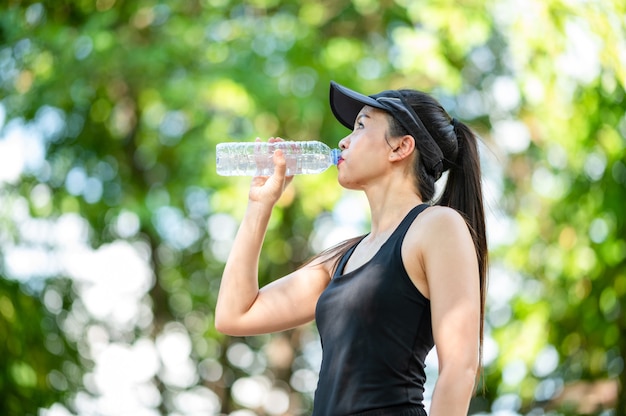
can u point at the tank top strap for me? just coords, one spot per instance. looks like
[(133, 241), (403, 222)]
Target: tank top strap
[(405, 224)]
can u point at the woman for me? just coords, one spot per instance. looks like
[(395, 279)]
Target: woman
[(381, 301)]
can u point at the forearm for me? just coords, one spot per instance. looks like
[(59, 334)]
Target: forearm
[(239, 286), (453, 392)]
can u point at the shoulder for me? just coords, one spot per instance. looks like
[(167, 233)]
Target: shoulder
[(440, 231), (437, 242), (438, 221)]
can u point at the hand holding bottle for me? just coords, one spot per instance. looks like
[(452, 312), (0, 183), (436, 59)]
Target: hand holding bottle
[(268, 189)]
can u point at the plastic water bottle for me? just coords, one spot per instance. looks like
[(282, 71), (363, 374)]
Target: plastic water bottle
[(255, 158)]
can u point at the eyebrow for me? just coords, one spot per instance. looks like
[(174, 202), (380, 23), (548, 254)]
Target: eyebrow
[(360, 116)]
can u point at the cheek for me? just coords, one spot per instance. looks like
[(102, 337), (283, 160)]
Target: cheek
[(358, 171), (348, 175)]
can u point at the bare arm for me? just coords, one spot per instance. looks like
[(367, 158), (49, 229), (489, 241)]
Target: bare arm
[(451, 270), (243, 308)]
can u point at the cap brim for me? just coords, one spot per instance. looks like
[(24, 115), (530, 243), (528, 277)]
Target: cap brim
[(346, 103)]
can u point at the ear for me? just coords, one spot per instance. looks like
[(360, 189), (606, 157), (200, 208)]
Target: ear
[(404, 147)]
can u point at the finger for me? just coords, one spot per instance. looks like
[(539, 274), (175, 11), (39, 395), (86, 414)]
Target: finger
[(280, 163)]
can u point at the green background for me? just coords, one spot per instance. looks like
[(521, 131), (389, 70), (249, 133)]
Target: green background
[(114, 226)]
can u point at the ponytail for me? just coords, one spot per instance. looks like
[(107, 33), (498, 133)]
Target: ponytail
[(463, 192)]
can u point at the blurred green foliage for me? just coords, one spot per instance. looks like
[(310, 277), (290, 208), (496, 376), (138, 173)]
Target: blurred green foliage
[(33, 345), (117, 107)]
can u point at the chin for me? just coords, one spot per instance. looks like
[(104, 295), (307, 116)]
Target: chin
[(347, 184)]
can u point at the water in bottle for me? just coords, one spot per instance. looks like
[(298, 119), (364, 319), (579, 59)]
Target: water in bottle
[(255, 158)]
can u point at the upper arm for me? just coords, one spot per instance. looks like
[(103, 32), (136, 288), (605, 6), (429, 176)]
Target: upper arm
[(451, 269), (284, 303)]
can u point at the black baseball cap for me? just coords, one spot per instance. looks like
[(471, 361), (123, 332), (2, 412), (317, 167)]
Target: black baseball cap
[(346, 103)]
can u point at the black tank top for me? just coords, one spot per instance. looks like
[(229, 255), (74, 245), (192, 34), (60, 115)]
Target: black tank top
[(375, 329)]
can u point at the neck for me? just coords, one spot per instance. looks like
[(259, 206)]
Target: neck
[(390, 203)]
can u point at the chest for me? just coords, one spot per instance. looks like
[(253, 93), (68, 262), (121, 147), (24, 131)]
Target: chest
[(377, 294), (363, 253)]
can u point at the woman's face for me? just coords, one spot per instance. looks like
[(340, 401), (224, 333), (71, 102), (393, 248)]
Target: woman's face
[(364, 155)]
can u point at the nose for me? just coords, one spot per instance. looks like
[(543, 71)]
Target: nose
[(343, 143)]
